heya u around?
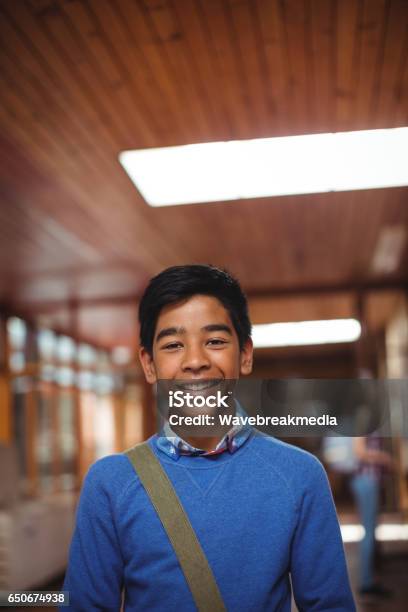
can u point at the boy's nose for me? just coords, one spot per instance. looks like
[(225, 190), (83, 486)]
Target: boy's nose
[(195, 360)]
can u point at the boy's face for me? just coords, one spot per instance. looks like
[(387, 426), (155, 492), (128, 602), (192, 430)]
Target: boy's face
[(195, 339)]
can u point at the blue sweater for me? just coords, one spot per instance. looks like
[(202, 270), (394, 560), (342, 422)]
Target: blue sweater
[(263, 515)]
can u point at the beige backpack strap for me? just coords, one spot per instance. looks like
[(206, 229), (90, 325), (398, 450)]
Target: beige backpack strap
[(194, 563)]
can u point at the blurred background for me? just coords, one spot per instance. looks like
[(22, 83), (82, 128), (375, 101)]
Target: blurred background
[(83, 80)]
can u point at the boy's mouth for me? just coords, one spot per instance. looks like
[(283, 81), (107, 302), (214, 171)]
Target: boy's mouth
[(197, 385)]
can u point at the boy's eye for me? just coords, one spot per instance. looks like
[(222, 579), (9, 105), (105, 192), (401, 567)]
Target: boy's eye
[(216, 342), (172, 346)]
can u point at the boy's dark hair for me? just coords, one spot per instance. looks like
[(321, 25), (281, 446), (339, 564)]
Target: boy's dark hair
[(182, 282)]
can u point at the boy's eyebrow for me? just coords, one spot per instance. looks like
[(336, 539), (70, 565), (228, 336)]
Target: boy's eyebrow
[(218, 327), (170, 331)]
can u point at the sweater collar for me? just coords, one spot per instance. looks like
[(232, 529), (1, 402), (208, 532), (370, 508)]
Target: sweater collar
[(172, 445)]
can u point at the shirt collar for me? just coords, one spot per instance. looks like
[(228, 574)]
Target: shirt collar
[(174, 446)]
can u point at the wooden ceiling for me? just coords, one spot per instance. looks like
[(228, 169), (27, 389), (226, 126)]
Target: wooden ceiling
[(82, 80)]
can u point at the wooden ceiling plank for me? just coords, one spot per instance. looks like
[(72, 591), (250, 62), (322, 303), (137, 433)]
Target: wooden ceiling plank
[(39, 7), (348, 17), (303, 227), (306, 250), (92, 175), (204, 64), (197, 228), (400, 109), (21, 225), (39, 56), (85, 147), (35, 136), (321, 29), (222, 97), (19, 244), (43, 220), (84, 155), (372, 27), (94, 224), (112, 104), (233, 88), (394, 207), (303, 308), (272, 40), (238, 20), (379, 63), (88, 226), (311, 80), (124, 48), (63, 76), (273, 265), (295, 238), (143, 230), (93, 42), (269, 254), (106, 61), (170, 38), (248, 50), (167, 37), (293, 16), (267, 83), (198, 61), (30, 251), (338, 211), (371, 225), (396, 44), (53, 142), (141, 38), (29, 89), (387, 76), (345, 240), (48, 148)]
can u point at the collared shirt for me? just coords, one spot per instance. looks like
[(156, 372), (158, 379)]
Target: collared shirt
[(174, 446)]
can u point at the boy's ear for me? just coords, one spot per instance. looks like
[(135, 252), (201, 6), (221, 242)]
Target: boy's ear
[(147, 363), (246, 357)]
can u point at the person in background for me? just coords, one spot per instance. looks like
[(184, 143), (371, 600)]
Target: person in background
[(372, 461)]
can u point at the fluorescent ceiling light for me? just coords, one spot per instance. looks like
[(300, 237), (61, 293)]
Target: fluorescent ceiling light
[(387, 532), (264, 167), (352, 533), (391, 532), (305, 333)]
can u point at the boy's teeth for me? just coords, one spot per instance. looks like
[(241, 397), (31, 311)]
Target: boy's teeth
[(198, 386)]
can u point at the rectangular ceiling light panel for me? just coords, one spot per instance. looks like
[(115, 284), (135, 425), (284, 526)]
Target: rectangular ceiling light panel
[(315, 163), (302, 333)]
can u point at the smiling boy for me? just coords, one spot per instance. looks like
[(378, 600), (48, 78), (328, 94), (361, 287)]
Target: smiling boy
[(261, 509)]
